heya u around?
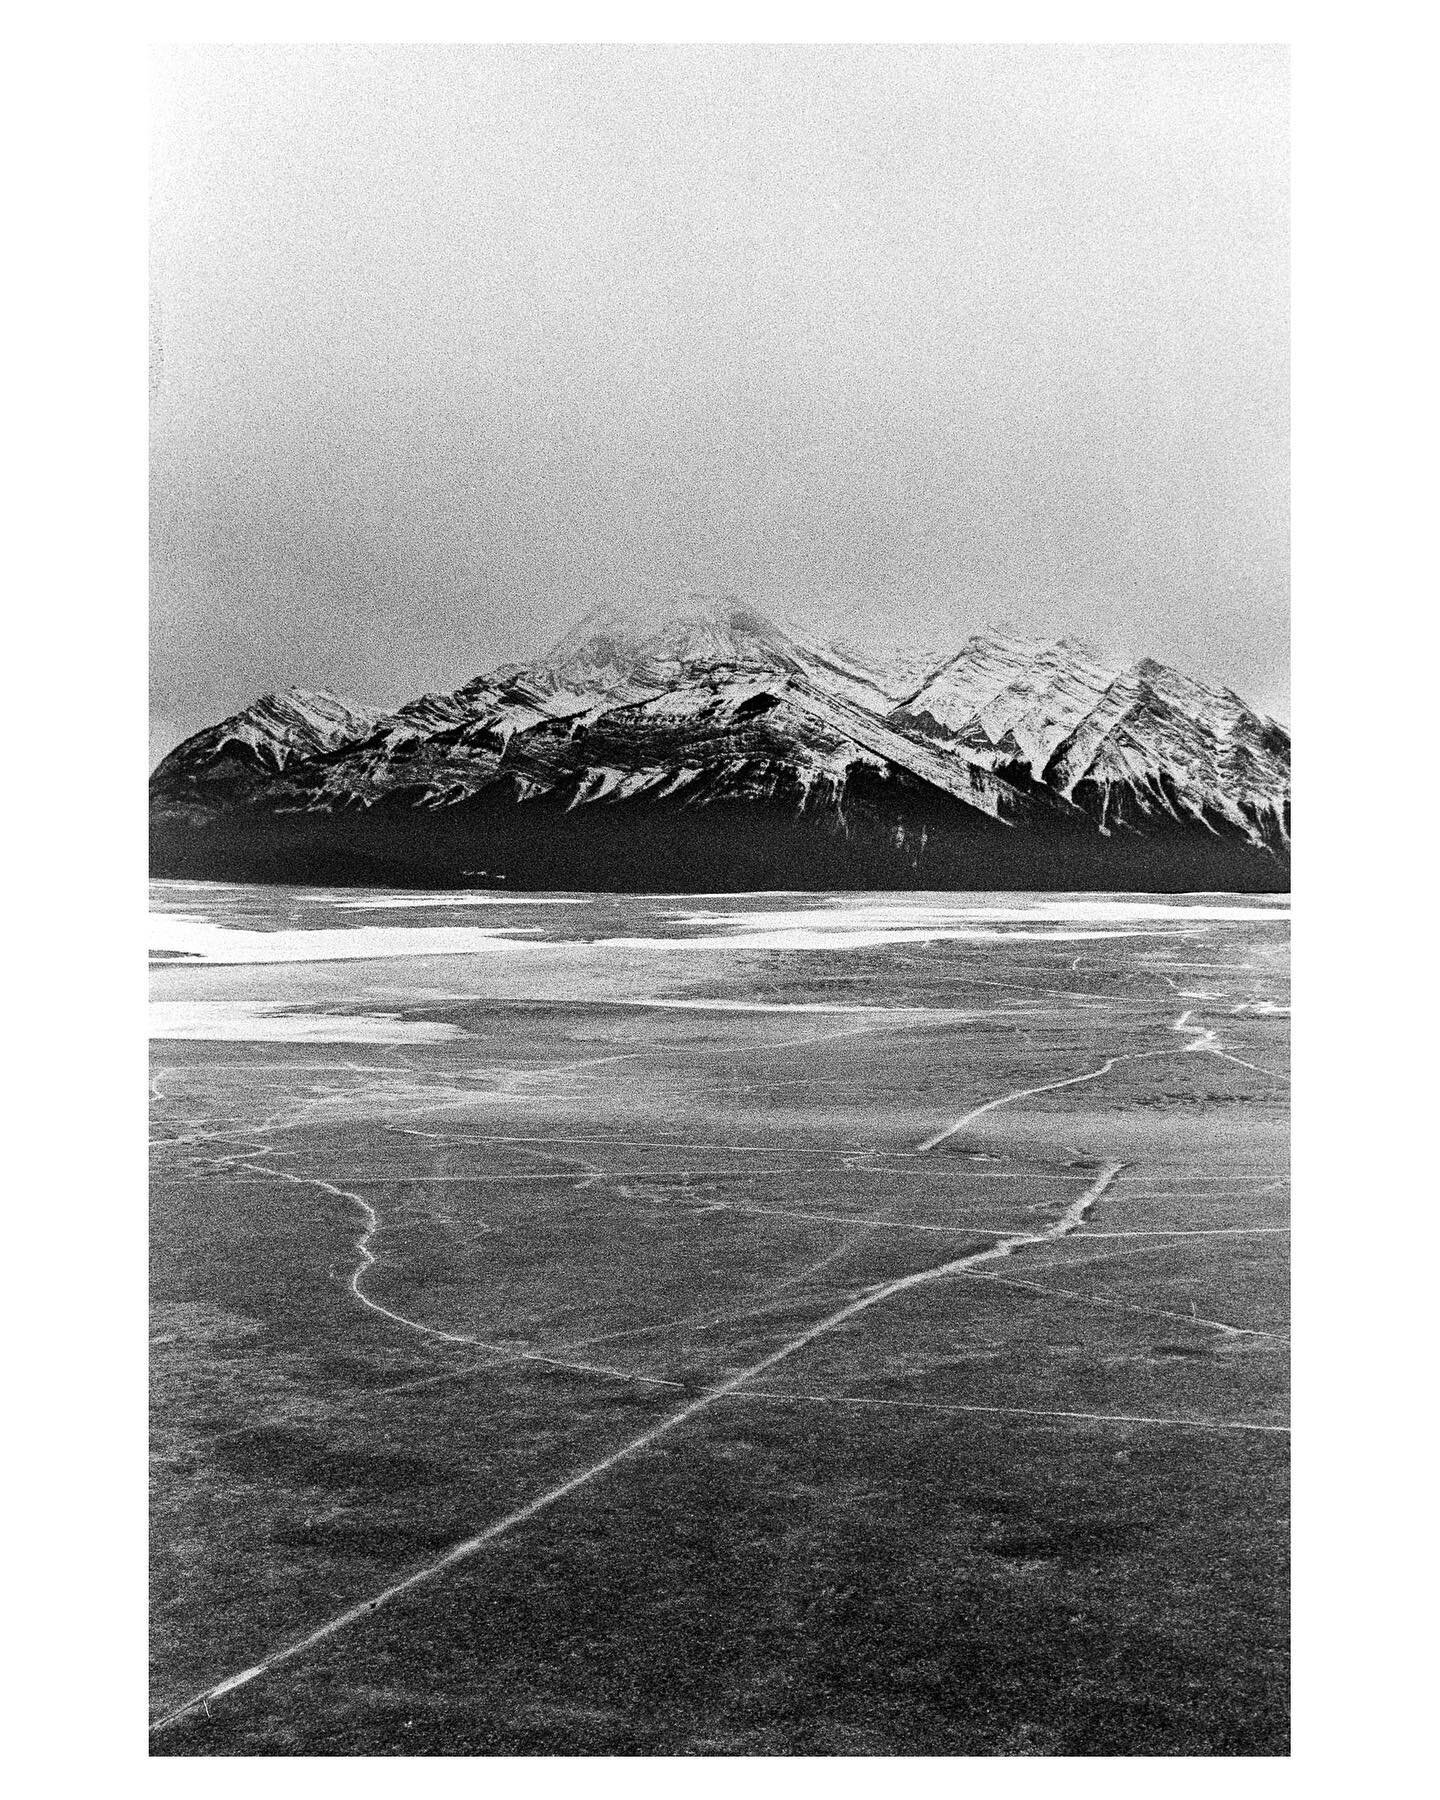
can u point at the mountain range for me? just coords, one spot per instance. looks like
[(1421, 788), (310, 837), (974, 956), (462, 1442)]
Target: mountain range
[(696, 745)]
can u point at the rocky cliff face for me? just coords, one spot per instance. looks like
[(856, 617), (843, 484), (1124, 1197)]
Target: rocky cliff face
[(701, 745)]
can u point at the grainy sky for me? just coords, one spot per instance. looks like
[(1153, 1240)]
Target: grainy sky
[(452, 342)]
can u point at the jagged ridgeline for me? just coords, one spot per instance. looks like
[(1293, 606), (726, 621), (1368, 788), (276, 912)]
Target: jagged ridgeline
[(701, 746)]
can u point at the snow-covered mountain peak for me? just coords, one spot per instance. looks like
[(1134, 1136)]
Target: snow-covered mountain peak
[(313, 710), (717, 627), (277, 729), (1024, 695), (657, 638)]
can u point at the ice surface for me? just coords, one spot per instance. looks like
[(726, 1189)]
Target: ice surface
[(266, 1022)]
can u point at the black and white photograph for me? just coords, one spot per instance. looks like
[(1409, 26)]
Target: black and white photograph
[(719, 845)]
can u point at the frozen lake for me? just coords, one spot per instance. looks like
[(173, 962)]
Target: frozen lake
[(855, 1324)]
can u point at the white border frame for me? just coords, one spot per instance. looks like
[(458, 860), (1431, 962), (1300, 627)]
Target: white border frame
[(1365, 656)]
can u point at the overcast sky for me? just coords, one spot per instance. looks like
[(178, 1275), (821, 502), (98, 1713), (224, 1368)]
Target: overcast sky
[(450, 343)]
